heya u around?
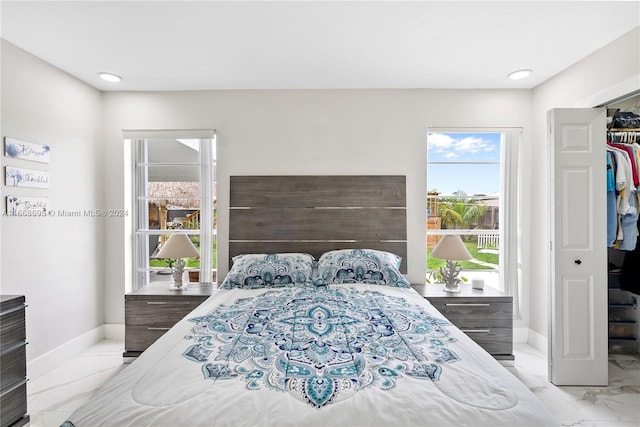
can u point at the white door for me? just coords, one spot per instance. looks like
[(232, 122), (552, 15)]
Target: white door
[(578, 347)]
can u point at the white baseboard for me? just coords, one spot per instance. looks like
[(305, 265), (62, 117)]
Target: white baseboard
[(114, 332), (520, 335), (537, 341), (50, 360)]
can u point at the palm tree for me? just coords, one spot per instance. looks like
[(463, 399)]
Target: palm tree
[(460, 211)]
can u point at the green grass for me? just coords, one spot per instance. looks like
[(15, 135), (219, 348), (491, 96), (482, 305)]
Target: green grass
[(190, 262), (436, 263)]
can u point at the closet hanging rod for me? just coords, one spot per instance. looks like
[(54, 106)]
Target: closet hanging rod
[(623, 133), (624, 136), (623, 130)]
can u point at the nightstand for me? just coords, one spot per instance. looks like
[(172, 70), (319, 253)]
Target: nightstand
[(486, 315), (151, 311)]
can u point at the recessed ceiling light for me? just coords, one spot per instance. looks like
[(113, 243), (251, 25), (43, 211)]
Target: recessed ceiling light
[(519, 75), (110, 77)]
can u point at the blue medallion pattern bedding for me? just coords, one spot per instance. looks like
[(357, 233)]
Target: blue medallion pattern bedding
[(251, 271), (355, 354), (360, 266), (320, 344)]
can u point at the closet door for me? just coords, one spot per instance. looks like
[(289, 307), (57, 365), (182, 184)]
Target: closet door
[(578, 352)]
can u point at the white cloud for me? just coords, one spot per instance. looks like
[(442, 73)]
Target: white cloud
[(452, 148), (468, 145), (440, 141)]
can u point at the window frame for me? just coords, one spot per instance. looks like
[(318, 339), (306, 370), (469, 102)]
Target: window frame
[(140, 219), (509, 212)]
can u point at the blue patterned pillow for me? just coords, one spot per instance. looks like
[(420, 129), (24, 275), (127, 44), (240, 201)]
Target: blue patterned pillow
[(360, 266), (252, 271)]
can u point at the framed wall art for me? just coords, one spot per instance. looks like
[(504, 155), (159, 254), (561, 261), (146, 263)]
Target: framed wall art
[(24, 150), (27, 206), (21, 177)]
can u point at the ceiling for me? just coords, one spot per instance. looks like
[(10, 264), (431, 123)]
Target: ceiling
[(197, 45)]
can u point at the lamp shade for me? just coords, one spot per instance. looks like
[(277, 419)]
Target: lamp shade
[(178, 246), (451, 247)]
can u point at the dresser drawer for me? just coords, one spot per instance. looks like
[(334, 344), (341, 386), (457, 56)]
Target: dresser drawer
[(12, 326), (13, 401), (158, 312), (492, 340), (13, 364), (138, 338), (479, 314)]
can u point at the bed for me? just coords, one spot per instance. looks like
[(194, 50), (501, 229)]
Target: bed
[(310, 330)]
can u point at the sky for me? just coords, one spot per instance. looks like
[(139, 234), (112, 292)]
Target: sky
[(463, 147)]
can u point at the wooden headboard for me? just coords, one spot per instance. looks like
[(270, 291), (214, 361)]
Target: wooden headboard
[(317, 213)]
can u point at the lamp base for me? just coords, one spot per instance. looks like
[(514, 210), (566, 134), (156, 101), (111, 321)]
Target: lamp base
[(178, 271), (450, 276)]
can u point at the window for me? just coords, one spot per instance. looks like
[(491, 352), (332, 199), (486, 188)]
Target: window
[(174, 191), (472, 185)]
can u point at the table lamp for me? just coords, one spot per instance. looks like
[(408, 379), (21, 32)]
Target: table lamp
[(451, 248), (178, 246)]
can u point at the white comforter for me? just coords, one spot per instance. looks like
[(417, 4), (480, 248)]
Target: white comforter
[(348, 355)]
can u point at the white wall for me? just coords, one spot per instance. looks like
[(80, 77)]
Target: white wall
[(298, 132), (602, 76), (56, 262)]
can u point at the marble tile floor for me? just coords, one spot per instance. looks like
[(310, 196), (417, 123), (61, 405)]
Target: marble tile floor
[(616, 405), (54, 396)]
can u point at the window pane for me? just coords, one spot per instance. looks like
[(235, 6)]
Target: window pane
[(173, 151), (458, 212), (159, 269), (173, 173), (464, 147), (464, 179), (485, 262), (173, 213)]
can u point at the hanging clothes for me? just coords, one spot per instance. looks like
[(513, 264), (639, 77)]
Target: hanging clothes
[(612, 212), (630, 273), (631, 152), (623, 179)]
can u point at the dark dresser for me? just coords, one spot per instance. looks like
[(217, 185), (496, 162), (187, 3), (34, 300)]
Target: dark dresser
[(13, 361)]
